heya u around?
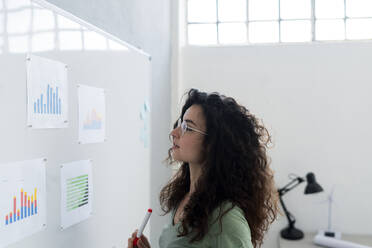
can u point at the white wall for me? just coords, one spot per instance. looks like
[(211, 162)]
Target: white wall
[(316, 101)]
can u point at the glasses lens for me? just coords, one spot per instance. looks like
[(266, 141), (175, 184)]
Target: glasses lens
[(183, 127)]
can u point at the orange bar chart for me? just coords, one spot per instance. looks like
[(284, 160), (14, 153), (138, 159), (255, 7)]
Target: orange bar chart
[(26, 208)]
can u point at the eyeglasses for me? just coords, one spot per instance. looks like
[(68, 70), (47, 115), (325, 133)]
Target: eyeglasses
[(185, 127)]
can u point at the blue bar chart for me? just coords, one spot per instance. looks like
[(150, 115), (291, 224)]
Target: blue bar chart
[(49, 102)]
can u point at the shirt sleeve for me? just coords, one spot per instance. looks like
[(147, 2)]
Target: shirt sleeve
[(235, 231)]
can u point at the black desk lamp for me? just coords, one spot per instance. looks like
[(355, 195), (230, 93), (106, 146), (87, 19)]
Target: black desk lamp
[(312, 186)]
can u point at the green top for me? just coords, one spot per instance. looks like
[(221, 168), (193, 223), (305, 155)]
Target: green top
[(235, 232)]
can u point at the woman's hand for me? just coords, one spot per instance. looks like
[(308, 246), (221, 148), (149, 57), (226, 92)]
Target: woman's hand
[(141, 243)]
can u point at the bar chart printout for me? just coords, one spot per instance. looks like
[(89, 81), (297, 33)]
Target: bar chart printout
[(76, 192), (25, 208), (91, 114), (22, 203), (46, 93), (49, 102)]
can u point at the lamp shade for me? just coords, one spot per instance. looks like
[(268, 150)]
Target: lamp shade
[(312, 186)]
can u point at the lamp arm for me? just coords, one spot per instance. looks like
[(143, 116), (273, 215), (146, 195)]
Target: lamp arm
[(282, 191), (290, 185), (291, 221)]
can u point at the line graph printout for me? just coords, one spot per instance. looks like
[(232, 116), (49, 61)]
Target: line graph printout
[(23, 200), (46, 93), (76, 192), (91, 114)]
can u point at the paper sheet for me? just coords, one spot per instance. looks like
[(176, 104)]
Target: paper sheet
[(23, 200), (92, 114), (336, 243), (76, 192), (47, 105)]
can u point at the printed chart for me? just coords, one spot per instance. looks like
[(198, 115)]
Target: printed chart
[(92, 109), (76, 192), (23, 200), (46, 93)]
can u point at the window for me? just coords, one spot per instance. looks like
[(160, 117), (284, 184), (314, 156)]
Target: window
[(28, 27), (212, 22)]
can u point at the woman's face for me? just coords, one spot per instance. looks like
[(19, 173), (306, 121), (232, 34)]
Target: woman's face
[(188, 147)]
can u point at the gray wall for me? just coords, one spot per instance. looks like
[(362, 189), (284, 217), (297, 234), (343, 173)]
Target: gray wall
[(144, 24)]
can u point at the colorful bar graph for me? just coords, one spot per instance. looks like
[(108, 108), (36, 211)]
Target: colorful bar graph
[(48, 103), (14, 207), (25, 204), (27, 208), (21, 203), (77, 192)]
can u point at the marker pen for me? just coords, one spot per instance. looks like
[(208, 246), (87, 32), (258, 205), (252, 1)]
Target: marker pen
[(142, 227)]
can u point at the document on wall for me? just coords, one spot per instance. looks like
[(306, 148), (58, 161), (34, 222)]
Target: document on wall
[(47, 90), (92, 114), (23, 200), (76, 192)]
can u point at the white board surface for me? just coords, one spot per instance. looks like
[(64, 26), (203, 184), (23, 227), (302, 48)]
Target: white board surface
[(118, 163)]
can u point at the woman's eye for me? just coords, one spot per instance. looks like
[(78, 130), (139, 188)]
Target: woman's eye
[(188, 129)]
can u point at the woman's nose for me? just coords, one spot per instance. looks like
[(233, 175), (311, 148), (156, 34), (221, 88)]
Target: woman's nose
[(175, 132)]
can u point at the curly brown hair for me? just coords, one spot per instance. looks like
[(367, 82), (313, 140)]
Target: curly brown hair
[(235, 168)]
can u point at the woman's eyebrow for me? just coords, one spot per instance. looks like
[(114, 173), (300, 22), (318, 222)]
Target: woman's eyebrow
[(190, 121)]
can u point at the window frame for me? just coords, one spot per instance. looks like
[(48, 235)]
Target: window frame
[(312, 20)]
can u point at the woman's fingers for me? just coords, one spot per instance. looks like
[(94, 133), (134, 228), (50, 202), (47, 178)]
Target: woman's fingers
[(145, 241), (130, 240), (135, 233), (141, 244), (130, 243)]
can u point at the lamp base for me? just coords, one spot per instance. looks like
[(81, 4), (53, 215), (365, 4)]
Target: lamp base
[(292, 233)]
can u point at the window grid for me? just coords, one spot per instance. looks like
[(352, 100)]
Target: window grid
[(312, 19), (30, 32)]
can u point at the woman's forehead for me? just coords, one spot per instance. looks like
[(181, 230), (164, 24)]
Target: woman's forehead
[(195, 114)]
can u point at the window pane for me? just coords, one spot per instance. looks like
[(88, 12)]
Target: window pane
[(359, 29), (43, 42), (263, 32), (63, 22), (295, 9), (232, 33), (70, 40), (18, 44), (201, 11), (1, 23), (113, 45), (329, 9), (1, 44), (330, 30), (14, 4), (295, 31), (359, 8), (263, 9), (94, 41), (19, 21), (232, 10), (202, 34), (43, 20)]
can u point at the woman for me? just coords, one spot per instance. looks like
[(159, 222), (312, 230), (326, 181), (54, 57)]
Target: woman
[(223, 195)]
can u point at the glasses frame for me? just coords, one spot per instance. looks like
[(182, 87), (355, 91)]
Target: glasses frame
[(185, 127)]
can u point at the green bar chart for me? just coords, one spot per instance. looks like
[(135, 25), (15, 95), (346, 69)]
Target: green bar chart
[(77, 193)]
